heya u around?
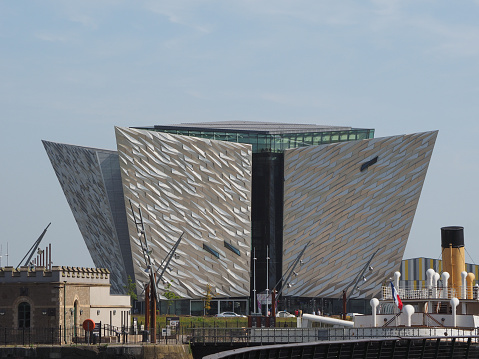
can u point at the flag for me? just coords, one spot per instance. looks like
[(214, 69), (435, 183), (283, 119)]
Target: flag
[(396, 298)]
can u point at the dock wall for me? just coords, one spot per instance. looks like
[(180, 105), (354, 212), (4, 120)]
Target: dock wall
[(103, 352)]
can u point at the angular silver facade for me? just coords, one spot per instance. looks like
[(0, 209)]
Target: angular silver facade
[(90, 180), (201, 187), (351, 199), (348, 198)]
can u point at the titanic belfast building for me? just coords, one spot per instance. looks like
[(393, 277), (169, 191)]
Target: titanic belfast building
[(247, 197)]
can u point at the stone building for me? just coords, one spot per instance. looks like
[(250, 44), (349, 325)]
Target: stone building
[(39, 297)]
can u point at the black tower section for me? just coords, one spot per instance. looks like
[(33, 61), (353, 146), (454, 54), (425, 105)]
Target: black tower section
[(267, 218)]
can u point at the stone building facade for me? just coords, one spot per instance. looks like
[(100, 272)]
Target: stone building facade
[(61, 297)]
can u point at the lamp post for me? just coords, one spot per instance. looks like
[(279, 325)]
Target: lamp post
[(64, 311), (254, 280), (286, 276), (356, 282), (267, 279)]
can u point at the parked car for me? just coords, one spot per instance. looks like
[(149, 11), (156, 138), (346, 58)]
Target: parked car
[(229, 315), (284, 314), (352, 315)]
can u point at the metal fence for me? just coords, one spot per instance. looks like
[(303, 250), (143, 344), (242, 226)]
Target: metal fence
[(216, 335), (220, 336), (60, 335), (103, 333), (28, 336)]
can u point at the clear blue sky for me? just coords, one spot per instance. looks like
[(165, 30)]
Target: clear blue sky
[(72, 70)]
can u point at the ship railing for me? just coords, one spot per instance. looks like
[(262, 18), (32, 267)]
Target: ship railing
[(245, 336), (432, 293)]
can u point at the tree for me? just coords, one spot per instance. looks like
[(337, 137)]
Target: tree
[(131, 290), (208, 297), (170, 295)]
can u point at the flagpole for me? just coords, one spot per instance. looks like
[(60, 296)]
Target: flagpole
[(398, 303)]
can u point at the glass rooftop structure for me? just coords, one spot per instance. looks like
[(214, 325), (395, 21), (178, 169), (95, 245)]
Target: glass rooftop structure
[(266, 136)]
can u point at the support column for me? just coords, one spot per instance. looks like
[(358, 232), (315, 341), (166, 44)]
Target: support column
[(153, 311)]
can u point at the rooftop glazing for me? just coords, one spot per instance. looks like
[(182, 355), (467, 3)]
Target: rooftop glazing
[(266, 136)]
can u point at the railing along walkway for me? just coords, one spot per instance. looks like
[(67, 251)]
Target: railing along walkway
[(221, 336)]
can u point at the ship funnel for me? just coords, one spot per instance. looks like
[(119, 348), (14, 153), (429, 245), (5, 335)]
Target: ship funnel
[(452, 236), (453, 260)]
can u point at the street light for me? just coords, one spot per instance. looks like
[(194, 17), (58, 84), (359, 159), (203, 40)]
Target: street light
[(267, 279), (254, 280), (361, 276), (285, 278), (65, 311)]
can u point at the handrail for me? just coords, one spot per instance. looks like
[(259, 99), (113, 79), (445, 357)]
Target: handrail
[(391, 320), (434, 319)]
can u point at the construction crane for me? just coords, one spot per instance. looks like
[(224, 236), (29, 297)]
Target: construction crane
[(33, 248), (152, 299)]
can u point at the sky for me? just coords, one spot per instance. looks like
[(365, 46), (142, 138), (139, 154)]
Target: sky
[(72, 70)]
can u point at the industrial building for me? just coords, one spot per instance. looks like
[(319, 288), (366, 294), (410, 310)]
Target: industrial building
[(234, 189)]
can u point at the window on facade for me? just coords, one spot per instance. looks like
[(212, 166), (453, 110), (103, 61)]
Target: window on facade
[(24, 315), (211, 250), (232, 248), (369, 163)]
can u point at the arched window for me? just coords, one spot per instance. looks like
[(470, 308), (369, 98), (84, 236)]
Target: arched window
[(24, 315)]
